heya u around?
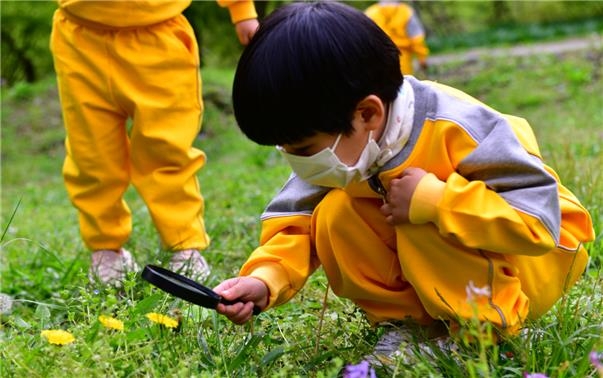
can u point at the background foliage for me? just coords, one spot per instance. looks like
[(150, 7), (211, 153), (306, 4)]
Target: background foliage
[(25, 27), (43, 263)]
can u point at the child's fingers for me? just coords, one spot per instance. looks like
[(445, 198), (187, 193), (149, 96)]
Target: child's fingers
[(238, 313), (244, 315), (386, 209), (225, 285), (234, 292), (232, 289)]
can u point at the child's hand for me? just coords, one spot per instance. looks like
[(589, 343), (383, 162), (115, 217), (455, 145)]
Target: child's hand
[(248, 291), (400, 192), (246, 29)]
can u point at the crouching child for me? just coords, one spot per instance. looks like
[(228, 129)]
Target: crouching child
[(410, 194)]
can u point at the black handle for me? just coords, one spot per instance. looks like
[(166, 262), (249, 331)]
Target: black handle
[(185, 288)]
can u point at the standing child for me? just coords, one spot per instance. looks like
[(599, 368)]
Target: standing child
[(138, 60), (410, 194), (401, 23)]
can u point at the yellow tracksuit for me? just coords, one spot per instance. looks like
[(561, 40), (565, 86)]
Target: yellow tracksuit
[(138, 60), (400, 22), (489, 214)]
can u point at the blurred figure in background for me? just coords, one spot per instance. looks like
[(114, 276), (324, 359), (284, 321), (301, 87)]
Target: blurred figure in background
[(401, 23), (137, 60)]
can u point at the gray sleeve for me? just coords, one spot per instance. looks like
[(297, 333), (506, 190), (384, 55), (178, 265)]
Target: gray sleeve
[(297, 197), (414, 27), (504, 165)]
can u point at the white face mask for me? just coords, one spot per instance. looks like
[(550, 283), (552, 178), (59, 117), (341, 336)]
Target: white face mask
[(325, 169)]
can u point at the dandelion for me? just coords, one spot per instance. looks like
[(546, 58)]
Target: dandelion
[(58, 337), (111, 323), (164, 320), (362, 370)]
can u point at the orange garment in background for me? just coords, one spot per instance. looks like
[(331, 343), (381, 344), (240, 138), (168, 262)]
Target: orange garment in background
[(138, 60), (401, 23)]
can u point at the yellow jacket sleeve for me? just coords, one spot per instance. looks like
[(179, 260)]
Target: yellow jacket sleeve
[(477, 217), (496, 196), (402, 25), (489, 194), (239, 10), (285, 258), (418, 46)]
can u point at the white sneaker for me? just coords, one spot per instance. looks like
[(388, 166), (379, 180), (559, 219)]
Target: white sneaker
[(390, 346), (110, 267), (191, 264), (401, 345)]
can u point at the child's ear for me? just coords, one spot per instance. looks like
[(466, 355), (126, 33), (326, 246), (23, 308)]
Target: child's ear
[(370, 113)]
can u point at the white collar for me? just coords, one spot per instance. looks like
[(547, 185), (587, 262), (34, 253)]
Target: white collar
[(399, 124)]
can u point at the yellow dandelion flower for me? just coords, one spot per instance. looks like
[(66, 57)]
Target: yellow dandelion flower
[(111, 323), (162, 319), (58, 337)]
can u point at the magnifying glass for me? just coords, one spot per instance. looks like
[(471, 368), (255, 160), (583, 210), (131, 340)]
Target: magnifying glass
[(185, 288)]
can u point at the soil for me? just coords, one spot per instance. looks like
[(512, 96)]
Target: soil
[(593, 41)]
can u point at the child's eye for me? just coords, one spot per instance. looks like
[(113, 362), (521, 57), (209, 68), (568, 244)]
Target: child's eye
[(305, 151), (301, 150)]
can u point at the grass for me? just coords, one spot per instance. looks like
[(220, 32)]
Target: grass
[(512, 33), (43, 263)]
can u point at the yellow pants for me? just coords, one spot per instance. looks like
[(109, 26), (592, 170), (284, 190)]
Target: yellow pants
[(151, 76), (411, 271)]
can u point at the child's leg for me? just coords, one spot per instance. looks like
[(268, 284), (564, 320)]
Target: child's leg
[(545, 279), (158, 75), (96, 170), (448, 277), (454, 282), (357, 249), (411, 271)]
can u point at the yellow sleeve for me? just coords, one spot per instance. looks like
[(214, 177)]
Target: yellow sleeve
[(418, 46), (392, 20), (374, 13), (284, 260), (477, 217), (521, 217), (239, 10)]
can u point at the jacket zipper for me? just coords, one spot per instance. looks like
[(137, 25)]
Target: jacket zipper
[(378, 187)]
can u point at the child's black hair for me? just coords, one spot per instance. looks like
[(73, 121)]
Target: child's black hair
[(307, 67)]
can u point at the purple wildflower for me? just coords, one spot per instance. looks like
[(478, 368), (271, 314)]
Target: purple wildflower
[(596, 358), (362, 370), (535, 375)]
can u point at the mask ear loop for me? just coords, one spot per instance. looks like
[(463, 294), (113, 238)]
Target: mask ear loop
[(334, 146)]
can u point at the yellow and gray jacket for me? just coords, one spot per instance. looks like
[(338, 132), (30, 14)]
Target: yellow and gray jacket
[(485, 173), (401, 23)]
